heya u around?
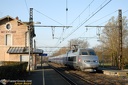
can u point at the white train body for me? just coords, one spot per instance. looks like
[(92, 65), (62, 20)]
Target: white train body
[(81, 58)]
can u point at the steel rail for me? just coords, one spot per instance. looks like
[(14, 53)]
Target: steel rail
[(65, 77)]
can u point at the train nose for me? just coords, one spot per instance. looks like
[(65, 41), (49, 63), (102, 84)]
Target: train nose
[(91, 63)]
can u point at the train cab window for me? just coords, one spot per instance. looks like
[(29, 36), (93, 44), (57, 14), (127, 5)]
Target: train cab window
[(84, 53), (92, 53)]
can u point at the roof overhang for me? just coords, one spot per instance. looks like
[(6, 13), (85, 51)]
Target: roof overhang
[(23, 50)]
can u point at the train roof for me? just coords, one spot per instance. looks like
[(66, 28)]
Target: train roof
[(80, 49)]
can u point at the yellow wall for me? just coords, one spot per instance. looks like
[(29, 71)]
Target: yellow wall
[(17, 37), (17, 31)]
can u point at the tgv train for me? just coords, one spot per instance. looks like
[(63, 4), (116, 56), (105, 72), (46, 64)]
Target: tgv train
[(82, 59)]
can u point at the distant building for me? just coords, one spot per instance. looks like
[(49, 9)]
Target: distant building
[(14, 41)]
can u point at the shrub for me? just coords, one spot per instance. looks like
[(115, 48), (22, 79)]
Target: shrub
[(12, 70)]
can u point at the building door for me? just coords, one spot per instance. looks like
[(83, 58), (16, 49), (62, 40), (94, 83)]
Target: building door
[(8, 40), (24, 58)]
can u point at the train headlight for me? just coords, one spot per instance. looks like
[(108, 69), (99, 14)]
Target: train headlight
[(79, 59), (96, 61)]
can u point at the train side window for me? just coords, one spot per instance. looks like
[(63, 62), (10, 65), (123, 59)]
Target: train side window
[(72, 58), (69, 58)]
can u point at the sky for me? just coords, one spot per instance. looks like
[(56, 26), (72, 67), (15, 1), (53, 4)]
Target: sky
[(80, 13)]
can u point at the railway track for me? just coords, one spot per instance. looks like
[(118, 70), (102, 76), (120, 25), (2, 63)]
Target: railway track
[(51, 76), (72, 78), (94, 78), (64, 76)]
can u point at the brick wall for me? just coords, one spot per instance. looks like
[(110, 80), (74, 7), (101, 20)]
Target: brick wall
[(17, 33)]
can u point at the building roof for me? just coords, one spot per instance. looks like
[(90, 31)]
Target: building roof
[(23, 50), (6, 17), (9, 18)]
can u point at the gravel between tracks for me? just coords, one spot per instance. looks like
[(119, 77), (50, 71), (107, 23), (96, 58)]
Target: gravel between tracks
[(97, 78)]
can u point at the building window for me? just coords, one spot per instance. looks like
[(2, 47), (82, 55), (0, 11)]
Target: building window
[(27, 39), (8, 26), (8, 39)]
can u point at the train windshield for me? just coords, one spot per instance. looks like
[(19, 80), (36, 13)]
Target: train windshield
[(84, 53), (87, 52), (92, 53)]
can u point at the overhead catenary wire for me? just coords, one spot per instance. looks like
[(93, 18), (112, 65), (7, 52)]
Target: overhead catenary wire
[(125, 11), (61, 36), (67, 22), (26, 5), (103, 17), (87, 19), (54, 21), (66, 12), (108, 20), (78, 26), (100, 6), (82, 12), (48, 17), (100, 19)]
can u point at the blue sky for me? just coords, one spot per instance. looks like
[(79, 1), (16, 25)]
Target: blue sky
[(53, 13)]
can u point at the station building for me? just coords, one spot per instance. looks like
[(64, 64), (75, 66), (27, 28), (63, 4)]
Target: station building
[(14, 41)]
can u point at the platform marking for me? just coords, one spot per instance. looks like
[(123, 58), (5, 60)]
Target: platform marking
[(43, 77)]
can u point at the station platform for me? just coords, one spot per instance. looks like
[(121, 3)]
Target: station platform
[(44, 75), (114, 71)]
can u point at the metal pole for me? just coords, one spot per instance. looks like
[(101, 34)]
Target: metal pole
[(29, 49), (41, 61), (31, 29), (121, 61)]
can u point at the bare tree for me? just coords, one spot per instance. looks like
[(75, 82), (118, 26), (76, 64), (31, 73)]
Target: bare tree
[(110, 37), (61, 51), (80, 43)]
